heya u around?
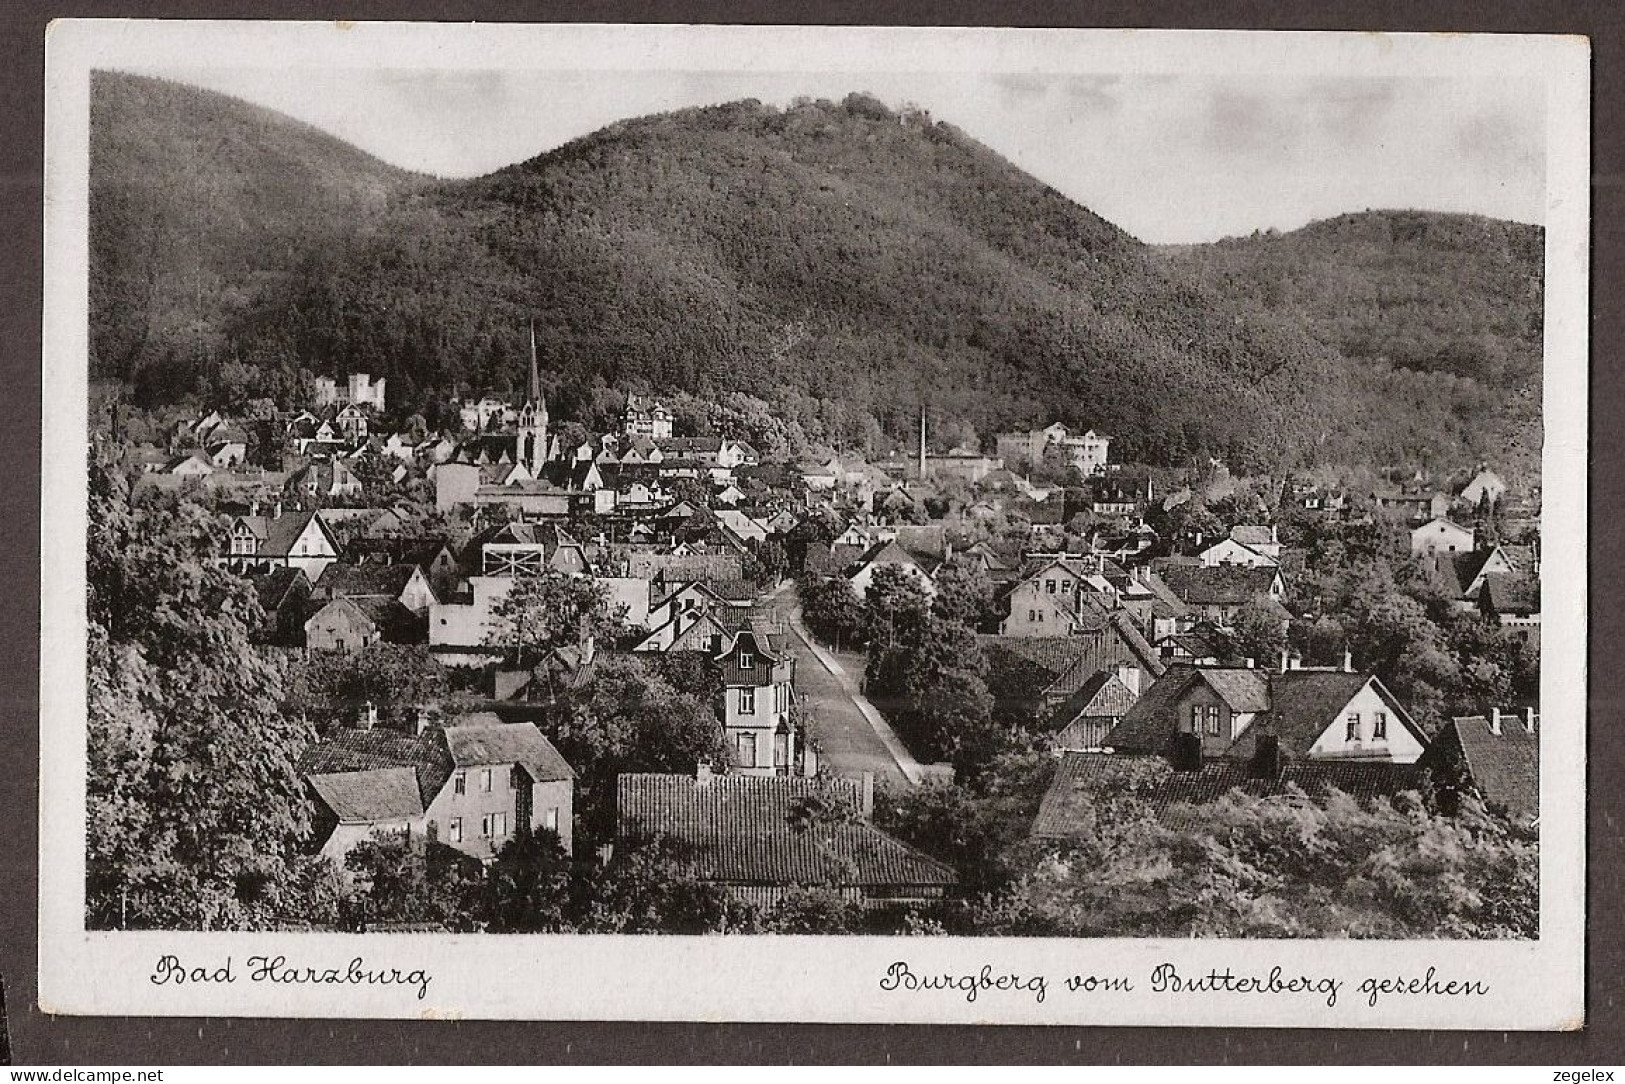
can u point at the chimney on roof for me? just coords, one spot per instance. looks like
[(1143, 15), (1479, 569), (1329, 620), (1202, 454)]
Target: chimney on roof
[(1186, 755), (1267, 757), (867, 795), (1249, 662), (1348, 661), (276, 510), (1530, 719), (1128, 675), (1294, 661), (1495, 721), (369, 716), (1285, 660), (422, 719)]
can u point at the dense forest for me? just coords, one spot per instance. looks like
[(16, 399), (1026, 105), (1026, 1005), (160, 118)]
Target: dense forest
[(844, 262)]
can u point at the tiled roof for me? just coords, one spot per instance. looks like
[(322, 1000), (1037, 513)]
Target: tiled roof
[(1219, 585), (482, 739), (1505, 768), (1244, 690), (1515, 594), (740, 830), (1081, 779), (281, 533), (1301, 705), (354, 750), (1102, 696), (1148, 726), (1253, 535), (375, 794), (272, 587), (354, 581)]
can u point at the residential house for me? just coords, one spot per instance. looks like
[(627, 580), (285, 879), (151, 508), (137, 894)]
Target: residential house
[(1260, 538), (1461, 576), (324, 478), (1513, 602), (1495, 757), (472, 785), (1440, 535), (340, 624), (1217, 592), (753, 835), (1305, 713), (758, 692), (645, 417), (1091, 713), (1031, 677), (882, 554), (402, 583), (301, 540), (282, 593)]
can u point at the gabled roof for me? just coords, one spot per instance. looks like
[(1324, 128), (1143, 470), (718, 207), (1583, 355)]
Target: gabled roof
[(1510, 594), (483, 739), (1103, 696), (1217, 585), (1148, 726), (273, 587), (355, 750), (1303, 703), (376, 794), (742, 830), (282, 532), (357, 581), (1504, 768)]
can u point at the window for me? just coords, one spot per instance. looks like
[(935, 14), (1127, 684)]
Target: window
[(747, 661), (499, 825), (456, 832), (747, 701), (1213, 720), (1379, 725), (1066, 587), (485, 781), (459, 783), (550, 819), (1049, 586), (1354, 726), (747, 750)]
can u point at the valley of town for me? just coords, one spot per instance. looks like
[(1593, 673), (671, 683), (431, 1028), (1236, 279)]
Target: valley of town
[(681, 674)]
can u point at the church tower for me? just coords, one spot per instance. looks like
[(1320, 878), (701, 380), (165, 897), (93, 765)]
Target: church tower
[(531, 446)]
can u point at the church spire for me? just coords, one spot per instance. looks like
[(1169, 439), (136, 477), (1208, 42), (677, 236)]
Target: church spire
[(533, 393)]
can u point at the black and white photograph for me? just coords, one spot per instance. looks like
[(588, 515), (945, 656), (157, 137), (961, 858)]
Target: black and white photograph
[(955, 496)]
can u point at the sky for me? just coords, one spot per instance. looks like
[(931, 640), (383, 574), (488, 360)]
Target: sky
[(1170, 158)]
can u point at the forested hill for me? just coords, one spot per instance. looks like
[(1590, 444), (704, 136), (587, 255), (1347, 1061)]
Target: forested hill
[(198, 201), (1420, 304), (843, 261)]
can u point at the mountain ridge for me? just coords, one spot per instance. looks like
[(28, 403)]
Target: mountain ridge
[(843, 260)]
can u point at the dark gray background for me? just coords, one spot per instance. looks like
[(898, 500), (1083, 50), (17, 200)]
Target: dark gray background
[(38, 1039)]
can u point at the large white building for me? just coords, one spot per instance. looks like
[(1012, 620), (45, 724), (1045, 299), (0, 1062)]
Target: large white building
[(1087, 451)]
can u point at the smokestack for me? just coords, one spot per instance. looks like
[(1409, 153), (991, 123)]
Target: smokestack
[(922, 443), (1495, 721)]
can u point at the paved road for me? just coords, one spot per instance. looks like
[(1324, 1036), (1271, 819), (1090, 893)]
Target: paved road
[(852, 736)]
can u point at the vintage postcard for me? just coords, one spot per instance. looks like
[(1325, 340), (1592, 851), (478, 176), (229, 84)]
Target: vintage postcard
[(814, 524)]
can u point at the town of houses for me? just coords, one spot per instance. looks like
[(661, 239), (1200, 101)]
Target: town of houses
[(1112, 641)]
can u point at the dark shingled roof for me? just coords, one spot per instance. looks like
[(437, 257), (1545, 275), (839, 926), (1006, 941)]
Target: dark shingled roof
[(358, 581), (740, 831), (1504, 768), (480, 739), (273, 586), (1102, 696), (1220, 585), (1082, 779), (1149, 725), (354, 750), (1511, 594), (377, 794), (1303, 703), (281, 533)]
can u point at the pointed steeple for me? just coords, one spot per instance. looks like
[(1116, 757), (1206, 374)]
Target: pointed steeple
[(533, 391)]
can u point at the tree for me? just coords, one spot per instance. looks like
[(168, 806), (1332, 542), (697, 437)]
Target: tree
[(550, 608), (527, 887), (653, 887), (833, 611), (195, 803), (964, 592), (406, 879), (331, 688)]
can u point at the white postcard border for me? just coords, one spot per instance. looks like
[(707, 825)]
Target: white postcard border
[(1533, 985)]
